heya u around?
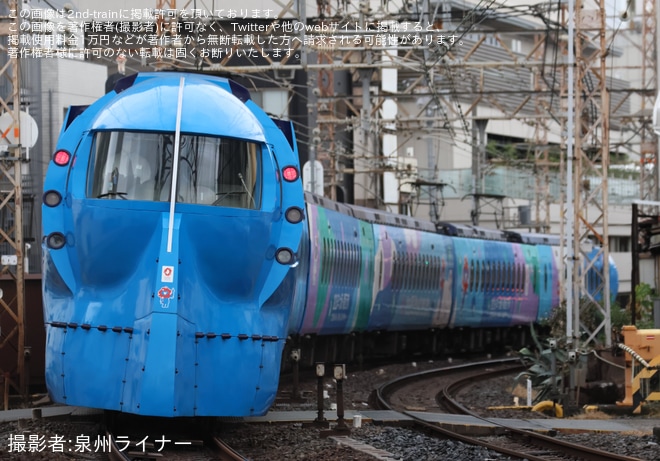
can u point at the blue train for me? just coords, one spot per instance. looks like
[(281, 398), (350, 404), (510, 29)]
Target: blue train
[(181, 253)]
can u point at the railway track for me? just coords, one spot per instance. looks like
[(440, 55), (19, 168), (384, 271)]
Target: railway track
[(132, 443), (124, 449), (399, 394)]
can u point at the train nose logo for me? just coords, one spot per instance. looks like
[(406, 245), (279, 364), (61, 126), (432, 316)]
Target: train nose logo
[(165, 294)]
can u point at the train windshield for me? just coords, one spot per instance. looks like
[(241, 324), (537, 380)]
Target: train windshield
[(212, 171)]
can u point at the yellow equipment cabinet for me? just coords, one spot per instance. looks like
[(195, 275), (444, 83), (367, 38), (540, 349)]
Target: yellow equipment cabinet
[(642, 363)]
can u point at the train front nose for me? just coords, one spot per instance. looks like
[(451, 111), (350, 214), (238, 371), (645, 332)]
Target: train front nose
[(210, 344), (190, 327)]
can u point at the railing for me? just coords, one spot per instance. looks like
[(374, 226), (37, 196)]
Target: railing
[(517, 183)]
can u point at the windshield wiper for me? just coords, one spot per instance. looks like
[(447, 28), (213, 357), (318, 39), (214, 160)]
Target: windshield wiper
[(113, 194)]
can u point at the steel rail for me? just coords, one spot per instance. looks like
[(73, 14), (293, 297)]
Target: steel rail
[(519, 436)]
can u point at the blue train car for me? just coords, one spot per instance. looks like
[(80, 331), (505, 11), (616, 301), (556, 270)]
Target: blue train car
[(173, 215), (180, 253)]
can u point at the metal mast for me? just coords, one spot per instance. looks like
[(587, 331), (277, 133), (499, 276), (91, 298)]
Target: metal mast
[(649, 143), (591, 283), (12, 307)]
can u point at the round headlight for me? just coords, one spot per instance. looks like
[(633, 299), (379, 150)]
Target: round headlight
[(56, 240), (52, 198), (284, 256), (294, 215)]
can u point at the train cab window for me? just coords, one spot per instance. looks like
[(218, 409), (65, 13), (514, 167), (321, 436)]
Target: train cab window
[(211, 170)]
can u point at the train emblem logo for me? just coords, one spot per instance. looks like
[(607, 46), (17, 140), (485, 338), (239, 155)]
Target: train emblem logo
[(165, 294), (167, 274)]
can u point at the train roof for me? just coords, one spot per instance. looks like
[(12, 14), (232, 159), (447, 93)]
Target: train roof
[(371, 215), (467, 231), (540, 239), (455, 230)]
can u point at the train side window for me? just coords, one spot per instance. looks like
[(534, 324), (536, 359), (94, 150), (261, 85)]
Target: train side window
[(505, 275), (427, 271), (477, 276), (512, 276), (349, 264), (486, 275), (396, 276), (358, 262), (432, 278), (516, 276), (495, 276), (405, 271), (400, 268), (401, 272), (322, 259), (350, 261), (341, 267), (422, 271), (339, 262), (410, 270), (332, 259)]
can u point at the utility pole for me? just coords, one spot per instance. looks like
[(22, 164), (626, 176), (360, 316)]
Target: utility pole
[(11, 204), (592, 160), (649, 75)]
